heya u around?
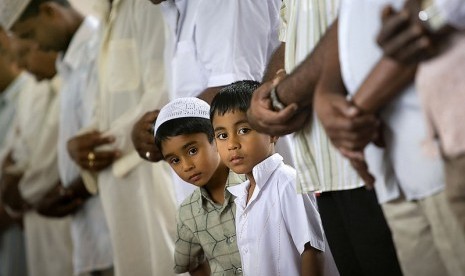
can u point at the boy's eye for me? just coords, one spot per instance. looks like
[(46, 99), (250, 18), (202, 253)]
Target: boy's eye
[(192, 151), (174, 161), (221, 136), (244, 130)]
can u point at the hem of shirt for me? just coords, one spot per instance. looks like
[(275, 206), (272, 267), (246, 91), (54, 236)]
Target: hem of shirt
[(308, 190), (92, 268), (420, 196), (224, 79)]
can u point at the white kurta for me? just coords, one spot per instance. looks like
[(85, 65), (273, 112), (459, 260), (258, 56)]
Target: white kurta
[(137, 196), (33, 141), (91, 238)]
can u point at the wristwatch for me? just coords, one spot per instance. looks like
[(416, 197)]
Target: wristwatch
[(275, 102), (431, 16)]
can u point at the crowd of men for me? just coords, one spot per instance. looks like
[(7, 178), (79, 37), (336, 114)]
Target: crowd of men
[(365, 96)]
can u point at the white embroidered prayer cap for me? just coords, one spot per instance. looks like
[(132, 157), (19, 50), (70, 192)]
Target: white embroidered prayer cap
[(11, 10), (182, 108)]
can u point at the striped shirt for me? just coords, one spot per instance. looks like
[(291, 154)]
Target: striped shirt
[(320, 167)]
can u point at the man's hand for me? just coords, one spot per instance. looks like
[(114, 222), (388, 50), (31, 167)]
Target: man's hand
[(10, 192), (143, 138), (346, 127), (264, 119), (403, 37), (82, 150), (59, 202)]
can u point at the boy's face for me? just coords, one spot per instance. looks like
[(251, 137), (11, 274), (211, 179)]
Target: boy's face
[(240, 146), (192, 157), (47, 28)]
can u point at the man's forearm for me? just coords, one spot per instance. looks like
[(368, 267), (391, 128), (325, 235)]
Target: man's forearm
[(300, 85), (209, 93), (276, 63), (387, 79)]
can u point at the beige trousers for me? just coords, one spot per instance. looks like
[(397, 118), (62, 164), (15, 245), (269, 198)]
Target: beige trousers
[(455, 186), (428, 237)]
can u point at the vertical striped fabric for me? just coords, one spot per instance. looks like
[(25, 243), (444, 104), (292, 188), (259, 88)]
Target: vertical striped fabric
[(319, 165)]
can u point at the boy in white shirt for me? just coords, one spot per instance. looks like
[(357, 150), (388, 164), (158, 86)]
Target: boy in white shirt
[(278, 231)]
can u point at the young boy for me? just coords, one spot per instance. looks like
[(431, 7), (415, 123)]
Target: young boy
[(206, 236), (279, 232)]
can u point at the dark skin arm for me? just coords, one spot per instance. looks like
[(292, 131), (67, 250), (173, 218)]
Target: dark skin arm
[(276, 63), (295, 90), (61, 202), (9, 185), (340, 118), (405, 42), (312, 262), (5, 220)]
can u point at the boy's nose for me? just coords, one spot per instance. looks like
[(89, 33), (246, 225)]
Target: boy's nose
[(233, 144), (187, 166)]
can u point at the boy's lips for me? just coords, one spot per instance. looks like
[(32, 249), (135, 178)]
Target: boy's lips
[(195, 177), (236, 160)]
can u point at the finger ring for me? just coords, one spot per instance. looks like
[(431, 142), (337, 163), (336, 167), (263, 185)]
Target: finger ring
[(147, 155), (91, 156)]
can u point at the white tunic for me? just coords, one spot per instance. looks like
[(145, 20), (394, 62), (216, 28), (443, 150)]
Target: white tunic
[(402, 166), (137, 196), (91, 241), (32, 142), (274, 226)]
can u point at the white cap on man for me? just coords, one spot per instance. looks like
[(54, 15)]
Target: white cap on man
[(11, 10)]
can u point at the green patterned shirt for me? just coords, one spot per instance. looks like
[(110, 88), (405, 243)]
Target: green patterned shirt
[(207, 231)]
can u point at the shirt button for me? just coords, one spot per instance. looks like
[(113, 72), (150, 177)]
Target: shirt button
[(239, 270)]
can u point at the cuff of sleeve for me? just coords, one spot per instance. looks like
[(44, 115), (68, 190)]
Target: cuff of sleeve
[(125, 164), (90, 181)]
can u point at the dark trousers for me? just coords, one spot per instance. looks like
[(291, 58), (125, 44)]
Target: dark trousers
[(357, 233)]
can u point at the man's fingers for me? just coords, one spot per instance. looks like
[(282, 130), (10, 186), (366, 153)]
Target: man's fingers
[(362, 169), (392, 24)]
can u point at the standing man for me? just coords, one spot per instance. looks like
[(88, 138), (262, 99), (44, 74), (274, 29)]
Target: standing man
[(137, 197), (12, 254), (55, 25)]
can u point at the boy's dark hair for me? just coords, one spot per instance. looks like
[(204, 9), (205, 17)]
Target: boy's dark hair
[(184, 126), (236, 96), (33, 8)]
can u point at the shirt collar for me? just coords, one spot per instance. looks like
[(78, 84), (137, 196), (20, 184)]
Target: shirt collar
[(81, 38), (261, 173), (206, 201)]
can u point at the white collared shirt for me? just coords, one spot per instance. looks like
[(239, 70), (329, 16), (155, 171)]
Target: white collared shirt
[(91, 241), (218, 42), (274, 226), (402, 166)]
